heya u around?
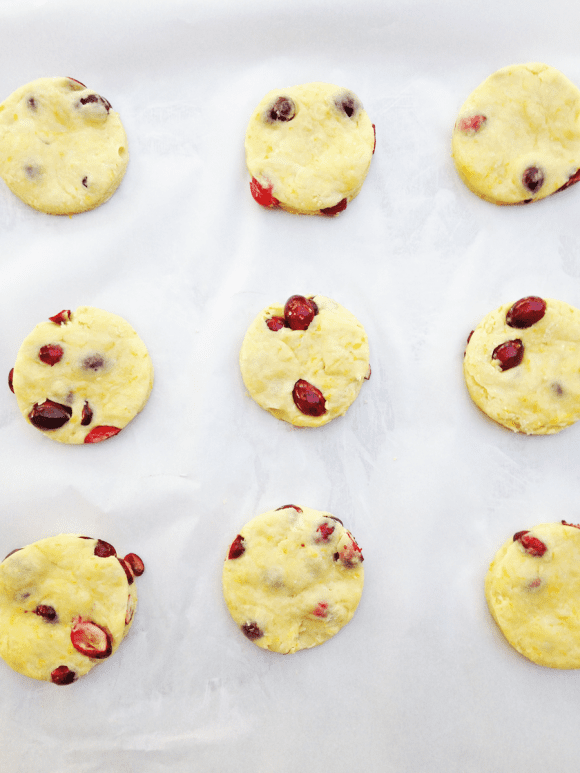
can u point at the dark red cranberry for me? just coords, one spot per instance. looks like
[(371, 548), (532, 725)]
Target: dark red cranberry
[(62, 317), (93, 362), (252, 631), (237, 548), (335, 209), (276, 323), (532, 545), (321, 609), (283, 109), (32, 104), (63, 675), (472, 124), (347, 103), (104, 549), (526, 312), (91, 639), (49, 415), (11, 552), (86, 415), (50, 354), (294, 507), (533, 179), (375, 136), (127, 569), (136, 564), (326, 531), (263, 194), (509, 354), (101, 433), (299, 312), (48, 613), (11, 380), (95, 99), (308, 399), (574, 178), (85, 182)]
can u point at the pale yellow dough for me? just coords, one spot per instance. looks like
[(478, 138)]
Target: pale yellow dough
[(104, 364), (535, 600), (64, 573), (542, 394), (298, 580), (332, 355), (532, 114), (59, 154), (319, 157)]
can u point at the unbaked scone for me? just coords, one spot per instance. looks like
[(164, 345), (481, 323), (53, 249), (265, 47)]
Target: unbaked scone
[(81, 376), (533, 592), (309, 148), (293, 578), (64, 149), (66, 603), (522, 365), (517, 136), (305, 361)]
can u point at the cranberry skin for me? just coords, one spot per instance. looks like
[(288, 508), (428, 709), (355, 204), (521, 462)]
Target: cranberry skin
[(472, 124), (335, 209), (86, 415), (326, 531), (11, 380), (283, 109), (96, 99), (509, 354), (48, 613), (276, 323), (574, 178), (375, 136), (127, 569), (299, 312), (136, 564), (237, 548), (348, 104), (294, 507), (49, 415), (533, 179), (263, 194), (308, 399), (526, 312), (91, 639), (62, 317), (321, 609), (50, 354), (104, 549), (101, 433), (532, 545), (63, 675), (252, 631)]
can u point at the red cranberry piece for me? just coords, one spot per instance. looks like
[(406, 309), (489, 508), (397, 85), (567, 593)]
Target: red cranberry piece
[(350, 554), (104, 549), (574, 178), (375, 134), (263, 194), (326, 531), (532, 545), (136, 564), (91, 639), (471, 124), (49, 415), (276, 323), (50, 354), (526, 312), (252, 631), (347, 103), (335, 209), (294, 507), (533, 179), (101, 433), (299, 312), (75, 84), (283, 109), (63, 675), (237, 548), (62, 317), (127, 569), (509, 354), (49, 613), (321, 609), (86, 415), (95, 99), (308, 399), (11, 380)]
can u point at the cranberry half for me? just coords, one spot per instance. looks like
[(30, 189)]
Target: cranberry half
[(509, 354), (532, 545), (276, 323), (63, 675), (308, 398), (50, 354), (101, 433), (263, 194), (49, 415), (294, 507), (526, 312), (471, 124), (45, 611), (252, 631), (335, 209), (104, 549), (533, 179), (91, 639), (237, 548), (283, 109), (11, 380), (136, 564), (86, 415), (299, 312), (62, 317)]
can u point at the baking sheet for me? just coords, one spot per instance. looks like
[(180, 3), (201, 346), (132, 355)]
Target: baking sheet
[(420, 680)]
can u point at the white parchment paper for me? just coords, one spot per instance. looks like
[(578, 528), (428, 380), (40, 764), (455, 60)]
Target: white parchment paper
[(421, 679)]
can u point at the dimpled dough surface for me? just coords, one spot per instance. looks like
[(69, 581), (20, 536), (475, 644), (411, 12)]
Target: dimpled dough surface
[(535, 600), (104, 363), (532, 121), (316, 159), (298, 580), (60, 155), (332, 354), (542, 394), (62, 572)]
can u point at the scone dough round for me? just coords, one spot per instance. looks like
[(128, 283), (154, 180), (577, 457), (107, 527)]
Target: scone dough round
[(64, 149), (92, 365), (533, 592), (309, 148), (52, 587), (293, 578), (332, 354), (517, 136), (541, 395)]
